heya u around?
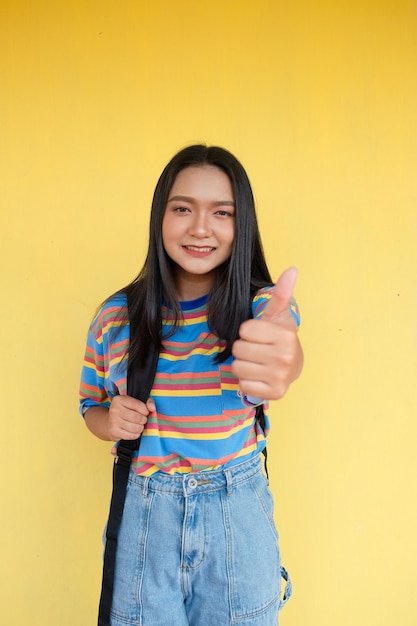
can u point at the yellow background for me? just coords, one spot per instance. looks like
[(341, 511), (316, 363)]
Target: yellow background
[(319, 101)]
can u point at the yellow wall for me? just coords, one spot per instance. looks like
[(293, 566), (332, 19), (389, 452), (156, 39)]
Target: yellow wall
[(319, 101)]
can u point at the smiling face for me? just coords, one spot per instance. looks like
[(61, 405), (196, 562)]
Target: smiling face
[(198, 228)]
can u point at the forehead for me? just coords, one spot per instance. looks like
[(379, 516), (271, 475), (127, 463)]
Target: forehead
[(203, 180)]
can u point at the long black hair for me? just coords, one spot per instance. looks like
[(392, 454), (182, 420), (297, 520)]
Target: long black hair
[(237, 280)]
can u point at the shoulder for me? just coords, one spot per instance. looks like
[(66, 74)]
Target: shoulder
[(112, 313), (260, 300)]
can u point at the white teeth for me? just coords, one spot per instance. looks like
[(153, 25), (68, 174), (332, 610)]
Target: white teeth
[(197, 249)]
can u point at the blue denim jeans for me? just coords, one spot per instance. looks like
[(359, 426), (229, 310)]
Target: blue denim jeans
[(199, 550)]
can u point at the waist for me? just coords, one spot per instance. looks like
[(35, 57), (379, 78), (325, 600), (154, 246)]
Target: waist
[(198, 482)]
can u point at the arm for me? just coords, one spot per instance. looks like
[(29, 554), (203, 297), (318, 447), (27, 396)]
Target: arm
[(108, 415)]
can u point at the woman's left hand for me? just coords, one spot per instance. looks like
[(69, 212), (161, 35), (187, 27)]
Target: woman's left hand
[(268, 355)]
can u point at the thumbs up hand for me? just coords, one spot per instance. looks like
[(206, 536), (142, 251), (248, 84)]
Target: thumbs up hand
[(268, 355)]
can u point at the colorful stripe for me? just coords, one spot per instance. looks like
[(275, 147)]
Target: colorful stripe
[(200, 421)]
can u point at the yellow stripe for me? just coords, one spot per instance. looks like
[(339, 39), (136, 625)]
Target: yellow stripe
[(91, 366), (116, 360), (149, 472), (187, 322), (106, 328), (179, 357), (247, 450), (196, 436), (185, 393)]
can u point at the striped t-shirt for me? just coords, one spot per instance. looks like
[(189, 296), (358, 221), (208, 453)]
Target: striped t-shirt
[(201, 421)]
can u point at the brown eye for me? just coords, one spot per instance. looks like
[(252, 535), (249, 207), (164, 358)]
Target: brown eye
[(224, 213)]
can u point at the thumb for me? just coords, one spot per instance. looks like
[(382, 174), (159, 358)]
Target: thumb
[(279, 305)]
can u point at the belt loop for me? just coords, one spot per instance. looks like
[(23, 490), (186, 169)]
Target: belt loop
[(145, 486), (288, 587), (229, 481)]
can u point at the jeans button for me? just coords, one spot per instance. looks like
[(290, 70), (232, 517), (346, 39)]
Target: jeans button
[(192, 483)]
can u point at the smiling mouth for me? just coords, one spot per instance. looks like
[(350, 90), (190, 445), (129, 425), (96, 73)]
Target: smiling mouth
[(202, 249)]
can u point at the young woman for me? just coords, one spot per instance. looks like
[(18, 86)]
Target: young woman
[(197, 544)]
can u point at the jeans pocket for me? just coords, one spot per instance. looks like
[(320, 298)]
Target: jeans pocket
[(266, 500), (254, 565)]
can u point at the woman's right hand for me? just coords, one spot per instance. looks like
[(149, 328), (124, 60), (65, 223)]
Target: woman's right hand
[(127, 417)]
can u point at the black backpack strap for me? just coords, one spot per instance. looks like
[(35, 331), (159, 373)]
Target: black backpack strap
[(139, 385), (260, 418)]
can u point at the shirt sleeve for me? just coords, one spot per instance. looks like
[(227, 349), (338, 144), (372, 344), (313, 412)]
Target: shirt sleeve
[(261, 300), (93, 391)]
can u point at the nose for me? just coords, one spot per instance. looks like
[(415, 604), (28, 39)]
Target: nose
[(200, 225)]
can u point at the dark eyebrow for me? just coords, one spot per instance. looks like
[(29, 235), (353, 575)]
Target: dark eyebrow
[(191, 200)]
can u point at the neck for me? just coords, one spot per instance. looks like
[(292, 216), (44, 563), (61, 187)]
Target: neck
[(193, 286)]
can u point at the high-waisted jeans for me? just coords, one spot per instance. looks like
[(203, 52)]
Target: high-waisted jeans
[(199, 550)]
